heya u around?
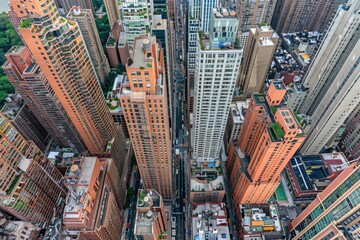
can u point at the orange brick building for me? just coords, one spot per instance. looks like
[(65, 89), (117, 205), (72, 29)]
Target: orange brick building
[(269, 137), (57, 46), (143, 99)]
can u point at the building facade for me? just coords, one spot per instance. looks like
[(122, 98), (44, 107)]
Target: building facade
[(135, 17), (143, 100), (258, 54), (92, 210), (31, 83), (293, 16), (32, 189), (269, 138), (68, 4), (112, 11), (335, 212), (60, 51), (89, 32), (217, 66), (332, 81), (350, 141)]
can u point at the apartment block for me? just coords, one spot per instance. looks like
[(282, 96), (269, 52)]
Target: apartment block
[(269, 138), (150, 220), (92, 210), (335, 212), (332, 81), (25, 121), (143, 100), (30, 82), (14, 229), (294, 16), (32, 188), (217, 63), (135, 17), (89, 32), (258, 54), (61, 54)]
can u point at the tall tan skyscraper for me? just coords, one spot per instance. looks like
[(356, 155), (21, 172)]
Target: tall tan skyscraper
[(86, 21), (112, 11), (31, 188), (299, 15), (258, 53), (144, 102), (29, 81), (57, 46)]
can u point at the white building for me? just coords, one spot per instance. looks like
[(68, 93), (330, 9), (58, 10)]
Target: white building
[(333, 80), (215, 78), (136, 16)]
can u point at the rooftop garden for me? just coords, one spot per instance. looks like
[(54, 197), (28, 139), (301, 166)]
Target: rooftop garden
[(25, 23), (275, 128), (201, 37), (299, 119), (113, 104), (149, 64), (273, 110), (111, 42)]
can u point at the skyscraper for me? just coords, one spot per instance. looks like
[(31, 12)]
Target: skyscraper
[(268, 139), (217, 68), (112, 11), (332, 81), (206, 11), (335, 212), (31, 188), (92, 210), (350, 141), (258, 54), (68, 4), (31, 83), (89, 32), (144, 102), (294, 15), (252, 13), (58, 48), (135, 17)]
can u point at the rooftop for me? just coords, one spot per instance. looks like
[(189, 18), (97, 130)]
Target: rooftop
[(262, 219), (205, 44), (314, 173), (205, 181), (238, 110), (145, 212), (139, 58), (209, 221), (122, 39), (159, 24), (224, 13)]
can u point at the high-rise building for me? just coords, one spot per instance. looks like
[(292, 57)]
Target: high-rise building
[(206, 12), (217, 68), (335, 212), (294, 15), (150, 220), (89, 32), (143, 100), (258, 54), (112, 11), (160, 8), (268, 139), (58, 48), (332, 81), (350, 141), (31, 188), (135, 17), (252, 13), (160, 31), (92, 210), (31, 83), (68, 4)]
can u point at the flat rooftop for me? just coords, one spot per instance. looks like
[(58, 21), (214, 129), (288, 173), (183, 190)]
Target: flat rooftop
[(139, 57), (238, 110), (209, 221), (224, 13)]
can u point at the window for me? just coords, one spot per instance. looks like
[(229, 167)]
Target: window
[(146, 73)]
